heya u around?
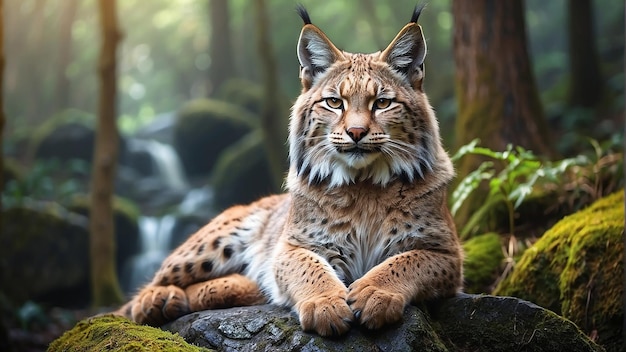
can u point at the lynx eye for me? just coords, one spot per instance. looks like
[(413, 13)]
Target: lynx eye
[(334, 103), (381, 103)]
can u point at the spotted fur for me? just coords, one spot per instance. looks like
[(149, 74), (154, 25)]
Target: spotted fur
[(364, 229)]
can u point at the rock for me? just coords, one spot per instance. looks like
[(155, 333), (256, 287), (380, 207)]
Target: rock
[(44, 253), (204, 128), (66, 136), (242, 174), (44, 250), (107, 333), (575, 269), (463, 323), (483, 261)]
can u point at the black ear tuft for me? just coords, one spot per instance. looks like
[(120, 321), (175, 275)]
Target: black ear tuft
[(303, 14), (416, 12)]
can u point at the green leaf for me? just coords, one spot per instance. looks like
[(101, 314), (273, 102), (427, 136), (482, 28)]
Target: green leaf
[(469, 184)]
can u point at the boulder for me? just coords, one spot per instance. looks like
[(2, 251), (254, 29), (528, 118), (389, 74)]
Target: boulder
[(242, 173), (44, 250), (44, 254), (576, 269), (204, 128), (68, 135), (463, 323)]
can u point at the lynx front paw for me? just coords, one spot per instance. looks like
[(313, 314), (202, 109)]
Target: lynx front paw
[(374, 306), (156, 305), (326, 315)]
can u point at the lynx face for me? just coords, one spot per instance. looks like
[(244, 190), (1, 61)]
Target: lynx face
[(361, 116)]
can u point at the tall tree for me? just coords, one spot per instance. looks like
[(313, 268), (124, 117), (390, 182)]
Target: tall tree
[(104, 282), (222, 63), (2, 118), (497, 97), (586, 83), (272, 121), (62, 89)]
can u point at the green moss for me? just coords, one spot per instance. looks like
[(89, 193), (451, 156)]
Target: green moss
[(42, 249), (576, 269), (109, 333), (483, 258)]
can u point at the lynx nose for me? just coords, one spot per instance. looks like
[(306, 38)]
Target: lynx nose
[(357, 133)]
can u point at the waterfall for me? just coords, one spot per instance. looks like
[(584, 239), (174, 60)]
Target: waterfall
[(175, 196), (165, 160), (155, 234)]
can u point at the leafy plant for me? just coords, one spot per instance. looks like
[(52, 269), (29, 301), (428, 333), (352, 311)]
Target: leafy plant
[(510, 176), (47, 180)]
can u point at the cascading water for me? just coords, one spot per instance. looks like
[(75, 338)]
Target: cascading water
[(167, 165), (155, 236), (156, 232)]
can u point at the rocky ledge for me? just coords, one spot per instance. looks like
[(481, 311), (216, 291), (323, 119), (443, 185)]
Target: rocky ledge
[(463, 323)]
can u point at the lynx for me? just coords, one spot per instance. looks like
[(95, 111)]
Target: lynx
[(364, 227)]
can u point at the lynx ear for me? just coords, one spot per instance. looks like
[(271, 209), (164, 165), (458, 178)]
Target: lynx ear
[(406, 54), (316, 54)]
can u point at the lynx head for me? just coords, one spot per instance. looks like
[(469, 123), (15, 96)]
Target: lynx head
[(362, 117)]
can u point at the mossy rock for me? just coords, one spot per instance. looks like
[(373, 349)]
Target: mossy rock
[(44, 254), (109, 333), (483, 260), (204, 128), (575, 269), (242, 173), (242, 92), (44, 249)]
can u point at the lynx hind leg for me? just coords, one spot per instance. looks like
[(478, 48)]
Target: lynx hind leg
[(219, 248), (224, 292)]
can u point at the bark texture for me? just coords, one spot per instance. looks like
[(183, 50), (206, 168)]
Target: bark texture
[(498, 101), (222, 62), (272, 121), (104, 282), (586, 83)]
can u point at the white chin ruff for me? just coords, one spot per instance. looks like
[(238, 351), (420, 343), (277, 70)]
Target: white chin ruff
[(357, 161)]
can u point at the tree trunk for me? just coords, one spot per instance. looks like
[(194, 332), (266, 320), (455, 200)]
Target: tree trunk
[(586, 83), (104, 283), (222, 62), (496, 92), (2, 118), (272, 117), (65, 54)]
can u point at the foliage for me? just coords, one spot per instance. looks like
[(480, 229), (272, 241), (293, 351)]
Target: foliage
[(509, 182), (49, 179)]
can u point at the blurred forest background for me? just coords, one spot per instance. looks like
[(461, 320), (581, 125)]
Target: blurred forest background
[(203, 96)]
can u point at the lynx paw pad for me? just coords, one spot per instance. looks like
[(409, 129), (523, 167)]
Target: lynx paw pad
[(159, 304), (328, 316), (374, 307)]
